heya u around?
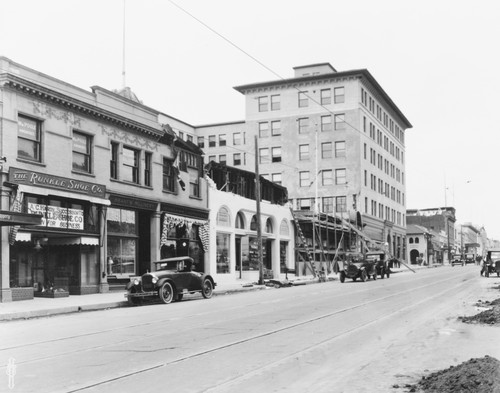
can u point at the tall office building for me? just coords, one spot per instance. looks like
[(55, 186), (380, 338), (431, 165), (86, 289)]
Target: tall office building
[(336, 140)]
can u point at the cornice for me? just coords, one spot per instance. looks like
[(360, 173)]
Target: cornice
[(73, 104)]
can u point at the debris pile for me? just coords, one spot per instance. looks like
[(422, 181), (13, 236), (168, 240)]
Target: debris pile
[(491, 316), (478, 375)]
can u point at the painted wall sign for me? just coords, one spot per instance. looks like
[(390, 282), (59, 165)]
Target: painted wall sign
[(31, 178), (132, 202)]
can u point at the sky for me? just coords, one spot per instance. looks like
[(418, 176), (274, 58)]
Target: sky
[(439, 61)]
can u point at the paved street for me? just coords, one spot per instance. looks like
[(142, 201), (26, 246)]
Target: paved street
[(351, 337)]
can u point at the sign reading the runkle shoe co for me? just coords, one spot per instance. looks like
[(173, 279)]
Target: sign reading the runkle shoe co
[(31, 178)]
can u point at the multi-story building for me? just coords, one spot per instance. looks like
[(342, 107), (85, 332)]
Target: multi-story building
[(440, 220), (99, 173), (336, 140)]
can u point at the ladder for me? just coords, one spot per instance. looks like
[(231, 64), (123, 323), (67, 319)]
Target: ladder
[(303, 244)]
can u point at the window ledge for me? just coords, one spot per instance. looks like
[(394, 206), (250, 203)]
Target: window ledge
[(129, 183), (83, 173), (31, 162), (195, 197)]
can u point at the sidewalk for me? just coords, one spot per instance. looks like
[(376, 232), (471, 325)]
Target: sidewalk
[(42, 307)]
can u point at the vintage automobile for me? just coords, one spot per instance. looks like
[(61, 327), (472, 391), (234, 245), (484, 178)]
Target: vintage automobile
[(172, 278), (491, 263), (356, 266), (457, 259), (380, 259), (470, 258)]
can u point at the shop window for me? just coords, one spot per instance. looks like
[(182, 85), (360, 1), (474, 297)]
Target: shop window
[(29, 139), (130, 165), (122, 241), (82, 152), (223, 255), (179, 240), (283, 257), (240, 221), (269, 226), (223, 217)]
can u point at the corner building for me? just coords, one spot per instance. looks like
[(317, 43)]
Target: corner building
[(331, 138)]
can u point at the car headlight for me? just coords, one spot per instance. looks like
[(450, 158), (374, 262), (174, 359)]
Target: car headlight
[(136, 281), (155, 279)]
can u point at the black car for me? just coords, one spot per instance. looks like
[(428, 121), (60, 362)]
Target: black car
[(172, 278), (380, 259), (457, 259)]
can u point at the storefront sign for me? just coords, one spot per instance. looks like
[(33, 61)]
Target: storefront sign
[(184, 211), (31, 178), (58, 217), (132, 202)]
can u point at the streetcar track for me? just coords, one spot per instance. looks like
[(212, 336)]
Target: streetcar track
[(289, 327)]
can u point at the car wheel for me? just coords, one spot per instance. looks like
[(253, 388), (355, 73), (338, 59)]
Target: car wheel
[(363, 276), (342, 276), (387, 274), (207, 289), (179, 297), (374, 277), (166, 293)]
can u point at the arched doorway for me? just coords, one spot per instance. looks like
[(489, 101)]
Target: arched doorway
[(414, 254)]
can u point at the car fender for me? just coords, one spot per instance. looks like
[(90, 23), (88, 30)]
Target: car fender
[(208, 276), (165, 279)]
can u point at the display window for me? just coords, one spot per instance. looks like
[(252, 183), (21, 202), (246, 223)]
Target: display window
[(121, 225), (223, 253)]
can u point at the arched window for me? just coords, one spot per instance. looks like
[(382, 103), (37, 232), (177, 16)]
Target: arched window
[(253, 223), (240, 221), (410, 240), (269, 226), (284, 229), (223, 218), (417, 240)]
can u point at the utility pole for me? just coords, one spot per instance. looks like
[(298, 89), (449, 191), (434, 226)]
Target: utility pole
[(257, 200)]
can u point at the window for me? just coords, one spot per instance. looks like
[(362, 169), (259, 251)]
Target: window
[(181, 135), (341, 204), (211, 158), (303, 125), (303, 152), (340, 176), (168, 175), (275, 103), (304, 204), (222, 140), (211, 141), (269, 226), (122, 242), (82, 159), (326, 97), (222, 159), (237, 138), (113, 163), (276, 128), (326, 177), (148, 158), (340, 149), (304, 179), (263, 130), (339, 122), (236, 159), (303, 99), (29, 139), (276, 178), (326, 150), (130, 165), (190, 138), (264, 156), (328, 204), (263, 104), (326, 123), (194, 185), (223, 243), (339, 95), (276, 154), (240, 221), (201, 142)]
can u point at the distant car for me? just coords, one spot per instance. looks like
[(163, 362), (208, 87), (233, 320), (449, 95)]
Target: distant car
[(492, 262), (470, 258), (172, 278), (380, 258), (356, 266), (457, 259)]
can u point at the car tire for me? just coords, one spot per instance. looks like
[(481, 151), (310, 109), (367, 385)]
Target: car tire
[(374, 277), (207, 289), (363, 276), (179, 297), (166, 293), (342, 276)]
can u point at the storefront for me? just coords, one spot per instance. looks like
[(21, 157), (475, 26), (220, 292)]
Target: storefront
[(60, 255)]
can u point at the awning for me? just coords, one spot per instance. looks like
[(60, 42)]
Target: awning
[(11, 218), (70, 241), (63, 194), (23, 237)]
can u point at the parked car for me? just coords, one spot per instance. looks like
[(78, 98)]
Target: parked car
[(172, 278), (380, 258), (457, 259), (491, 264), (470, 258), (356, 266)]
